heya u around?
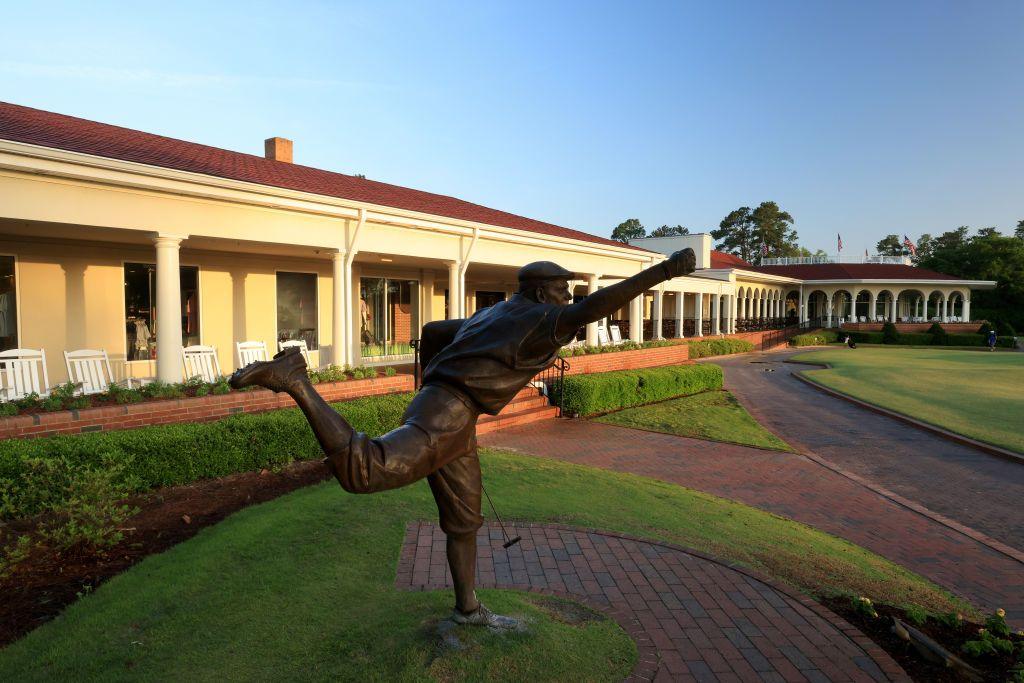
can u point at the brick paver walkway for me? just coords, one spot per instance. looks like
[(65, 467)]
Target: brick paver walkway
[(793, 486), (693, 618), (976, 489)]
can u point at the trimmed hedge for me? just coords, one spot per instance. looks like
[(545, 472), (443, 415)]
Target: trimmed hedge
[(817, 338), (718, 347), (606, 391), (924, 339), (169, 455)]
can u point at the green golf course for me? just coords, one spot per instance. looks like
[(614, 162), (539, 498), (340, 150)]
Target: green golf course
[(974, 393), (302, 587)]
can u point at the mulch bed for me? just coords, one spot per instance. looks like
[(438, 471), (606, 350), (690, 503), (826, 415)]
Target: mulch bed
[(44, 584), (993, 668)]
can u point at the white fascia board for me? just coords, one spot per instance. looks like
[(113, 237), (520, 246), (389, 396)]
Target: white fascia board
[(974, 284), (148, 177), (765, 277)]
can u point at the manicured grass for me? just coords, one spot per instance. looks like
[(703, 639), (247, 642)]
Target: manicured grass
[(977, 394), (714, 415), (302, 587)]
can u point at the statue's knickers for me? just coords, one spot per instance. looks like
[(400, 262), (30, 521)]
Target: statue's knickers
[(437, 440)]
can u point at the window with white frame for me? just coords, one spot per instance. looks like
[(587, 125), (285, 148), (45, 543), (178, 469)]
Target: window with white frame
[(389, 316), (140, 309)]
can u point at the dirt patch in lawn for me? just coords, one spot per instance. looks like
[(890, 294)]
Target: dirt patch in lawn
[(45, 583)]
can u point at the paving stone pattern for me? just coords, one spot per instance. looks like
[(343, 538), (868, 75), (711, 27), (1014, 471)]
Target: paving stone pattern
[(793, 486), (692, 617), (977, 489)]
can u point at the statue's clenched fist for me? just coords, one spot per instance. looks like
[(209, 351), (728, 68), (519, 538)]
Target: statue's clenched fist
[(681, 263)]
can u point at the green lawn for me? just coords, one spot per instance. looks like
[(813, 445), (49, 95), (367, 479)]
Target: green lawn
[(302, 587), (977, 394), (714, 415)]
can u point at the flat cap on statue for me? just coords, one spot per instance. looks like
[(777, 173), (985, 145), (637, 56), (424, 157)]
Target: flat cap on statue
[(539, 271)]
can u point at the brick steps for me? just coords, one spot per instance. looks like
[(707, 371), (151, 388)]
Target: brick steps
[(527, 406)]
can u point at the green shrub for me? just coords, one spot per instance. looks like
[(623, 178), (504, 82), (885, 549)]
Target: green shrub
[(160, 389), (122, 395), (890, 335), (606, 391), (331, 373), (390, 371), (8, 409), (169, 455), (816, 338), (627, 345), (1005, 329), (985, 328), (913, 339), (718, 347)]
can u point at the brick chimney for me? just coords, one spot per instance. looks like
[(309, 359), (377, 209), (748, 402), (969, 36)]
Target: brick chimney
[(278, 149)]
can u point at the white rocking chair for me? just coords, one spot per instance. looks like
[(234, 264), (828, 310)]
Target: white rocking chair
[(616, 334), (301, 343), (19, 373), (201, 361), (90, 369), (250, 352)]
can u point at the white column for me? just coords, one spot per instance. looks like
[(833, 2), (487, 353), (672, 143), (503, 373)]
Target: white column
[(656, 315), (895, 302), (636, 319), (592, 281), (698, 314), (828, 310), (966, 306), (338, 309), (733, 302), (945, 308), (715, 313), (454, 294), (168, 308), (678, 313), (874, 305), (355, 326)]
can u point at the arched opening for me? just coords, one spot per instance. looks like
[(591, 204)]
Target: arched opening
[(862, 307), (933, 311), (842, 307), (791, 307), (884, 306), (816, 303)]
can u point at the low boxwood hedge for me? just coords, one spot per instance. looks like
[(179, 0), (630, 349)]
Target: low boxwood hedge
[(606, 391), (816, 338), (718, 347), (169, 455), (925, 339)]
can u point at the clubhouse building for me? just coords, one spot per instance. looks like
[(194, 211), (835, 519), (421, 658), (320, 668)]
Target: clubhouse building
[(140, 245)]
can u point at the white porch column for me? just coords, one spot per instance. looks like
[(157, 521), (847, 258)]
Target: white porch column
[(733, 313), (168, 308), (636, 319), (656, 315), (339, 310), (454, 291), (966, 308), (678, 313), (874, 307), (715, 313), (355, 327), (945, 308), (592, 281), (828, 310), (895, 302), (698, 314)]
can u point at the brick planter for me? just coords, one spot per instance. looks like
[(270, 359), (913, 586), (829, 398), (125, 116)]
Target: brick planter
[(629, 360), (201, 409)]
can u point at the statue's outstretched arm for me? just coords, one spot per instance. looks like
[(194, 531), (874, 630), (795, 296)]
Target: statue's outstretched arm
[(604, 302)]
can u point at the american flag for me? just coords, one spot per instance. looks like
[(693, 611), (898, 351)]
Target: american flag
[(764, 249), (840, 241), (909, 245)]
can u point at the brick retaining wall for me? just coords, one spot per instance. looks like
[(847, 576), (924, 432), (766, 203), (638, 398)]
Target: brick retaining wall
[(629, 360), (201, 409)]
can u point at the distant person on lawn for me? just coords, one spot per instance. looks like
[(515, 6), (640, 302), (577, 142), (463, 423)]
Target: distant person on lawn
[(849, 342), (991, 340), (471, 367)]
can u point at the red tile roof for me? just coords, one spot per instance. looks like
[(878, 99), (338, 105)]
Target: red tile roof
[(720, 259), (47, 129), (853, 271)]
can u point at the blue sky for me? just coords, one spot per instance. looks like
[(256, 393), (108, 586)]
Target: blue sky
[(859, 118)]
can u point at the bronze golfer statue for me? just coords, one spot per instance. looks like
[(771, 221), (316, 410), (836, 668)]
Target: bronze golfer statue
[(472, 366)]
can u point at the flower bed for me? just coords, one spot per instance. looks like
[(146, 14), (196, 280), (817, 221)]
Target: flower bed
[(111, 415)]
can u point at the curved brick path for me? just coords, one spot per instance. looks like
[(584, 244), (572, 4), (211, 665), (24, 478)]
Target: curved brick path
[(793, 486), (692, 617), (976, 489)]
